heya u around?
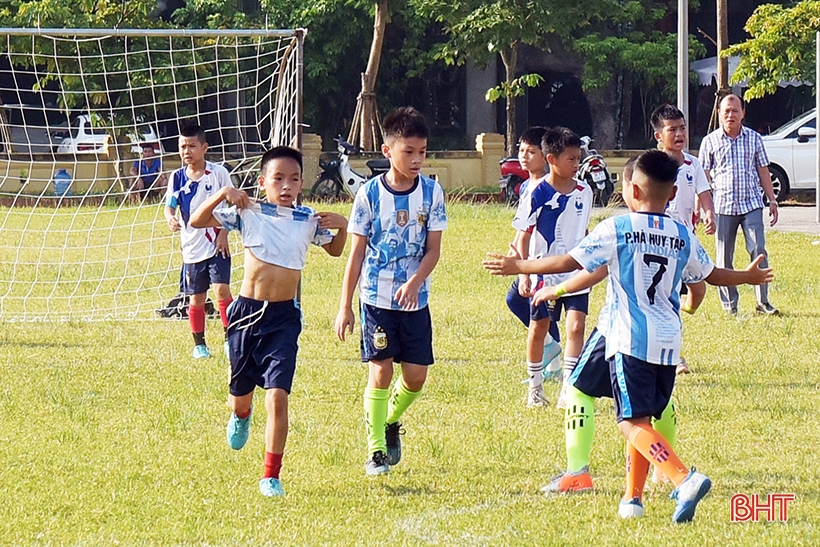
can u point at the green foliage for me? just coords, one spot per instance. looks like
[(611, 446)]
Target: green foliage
[(515, 88), (781, 47)]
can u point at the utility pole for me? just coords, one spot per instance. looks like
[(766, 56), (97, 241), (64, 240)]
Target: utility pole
[(683, 60), (722, 62)]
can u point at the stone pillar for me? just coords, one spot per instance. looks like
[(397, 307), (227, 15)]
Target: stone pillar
[(311, 149), (492, 149)]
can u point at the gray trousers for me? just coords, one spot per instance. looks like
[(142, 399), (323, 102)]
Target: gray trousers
[(725, 237)]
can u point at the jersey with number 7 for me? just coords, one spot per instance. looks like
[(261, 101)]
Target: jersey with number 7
[(649, 255)]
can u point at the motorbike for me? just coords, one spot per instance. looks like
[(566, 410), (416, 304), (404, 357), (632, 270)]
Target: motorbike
[(594, 172), (512, 176), (339, 179)]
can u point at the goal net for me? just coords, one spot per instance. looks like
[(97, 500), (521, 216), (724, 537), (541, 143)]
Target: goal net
[(84, 114)]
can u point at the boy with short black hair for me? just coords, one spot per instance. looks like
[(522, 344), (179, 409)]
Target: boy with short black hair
[(396, 225), (206, 255), (265, 321), (552, 220), (648, 255)]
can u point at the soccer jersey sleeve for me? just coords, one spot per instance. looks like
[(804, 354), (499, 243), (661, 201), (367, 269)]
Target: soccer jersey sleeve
[(699, 265), (361, 216), (228, 217), (172, 193), (523, 220), (438, 213), (701, 182), (598, 248)]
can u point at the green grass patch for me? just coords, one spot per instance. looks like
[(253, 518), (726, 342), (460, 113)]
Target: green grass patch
[(111, 434)]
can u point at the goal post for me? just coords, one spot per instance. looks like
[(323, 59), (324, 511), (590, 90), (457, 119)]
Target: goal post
[(81, 110)]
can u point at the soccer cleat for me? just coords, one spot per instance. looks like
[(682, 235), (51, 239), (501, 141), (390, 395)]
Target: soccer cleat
[(682, 368), (392, 434), (630, 509), (536, 398), (377, 464), (767, 309), (688, 493), (551, 352), (271, 487), (732, 310), (201, 352), (579, 481), (237, 430), (562, 397)]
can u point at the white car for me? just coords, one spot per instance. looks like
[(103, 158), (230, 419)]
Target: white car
[(792, 155), (84, 138)]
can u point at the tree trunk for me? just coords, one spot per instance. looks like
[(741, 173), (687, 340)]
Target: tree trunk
[(366, 130), (510, 59)]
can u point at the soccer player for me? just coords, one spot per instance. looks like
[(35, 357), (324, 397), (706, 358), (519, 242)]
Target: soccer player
[(532, 160), (396, 225), (648, 256), (206, 256), (551, 220), (265, 321)]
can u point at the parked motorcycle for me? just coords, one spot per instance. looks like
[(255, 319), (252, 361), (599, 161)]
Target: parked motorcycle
[(593, 171), (512, 176), (338, 178)]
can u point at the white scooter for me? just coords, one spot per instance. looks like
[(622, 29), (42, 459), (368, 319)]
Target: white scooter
[(338, 177)]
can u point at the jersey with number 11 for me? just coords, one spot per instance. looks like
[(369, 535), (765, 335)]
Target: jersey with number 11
[(649, 255)]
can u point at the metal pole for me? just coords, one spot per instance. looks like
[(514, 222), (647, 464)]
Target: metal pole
[(683, 61), (817, 125)]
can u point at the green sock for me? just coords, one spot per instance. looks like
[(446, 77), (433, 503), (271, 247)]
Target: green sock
[(580, 428), (375, 411), (400, 399), (668, 424)]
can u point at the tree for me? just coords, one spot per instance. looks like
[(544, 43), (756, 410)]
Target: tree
[(482, 29), (781, 47)]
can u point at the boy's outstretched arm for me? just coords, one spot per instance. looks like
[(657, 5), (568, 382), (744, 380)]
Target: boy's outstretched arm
[(752, 275), (203, 217), (344, 319), (498, 264), (578, 282), (334, 221)]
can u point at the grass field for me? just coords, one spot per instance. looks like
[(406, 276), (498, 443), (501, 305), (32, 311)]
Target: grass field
[(110, 434)]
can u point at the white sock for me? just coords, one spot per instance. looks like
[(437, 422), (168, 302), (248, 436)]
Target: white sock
[(534, 374), (569, 365)]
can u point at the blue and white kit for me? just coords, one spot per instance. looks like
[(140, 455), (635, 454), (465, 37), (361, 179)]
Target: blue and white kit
[(198, 244), (396, 226), (649, 255)]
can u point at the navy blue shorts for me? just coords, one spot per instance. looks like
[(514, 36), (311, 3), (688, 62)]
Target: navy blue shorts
[(404, 336), (640, 389), (520, 307), (591, 374), (552, 310), (263, 339), (197, 278)]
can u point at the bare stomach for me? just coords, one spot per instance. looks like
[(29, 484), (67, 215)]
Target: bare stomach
[(265, 281)]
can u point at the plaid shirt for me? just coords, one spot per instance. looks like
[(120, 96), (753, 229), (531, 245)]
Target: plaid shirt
[(732, 165)]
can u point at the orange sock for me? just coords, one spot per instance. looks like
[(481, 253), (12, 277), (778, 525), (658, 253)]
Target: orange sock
[(658, 451), (637, 468)]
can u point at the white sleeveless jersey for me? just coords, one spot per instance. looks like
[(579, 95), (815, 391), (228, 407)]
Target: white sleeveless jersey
[(649, 255), (276, 235)]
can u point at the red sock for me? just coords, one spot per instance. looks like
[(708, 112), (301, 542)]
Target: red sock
[(273, 464), (196, 318), (637, 468), (244, 414), (223, 310)]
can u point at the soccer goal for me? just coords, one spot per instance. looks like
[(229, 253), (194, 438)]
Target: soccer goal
[(82, 111)]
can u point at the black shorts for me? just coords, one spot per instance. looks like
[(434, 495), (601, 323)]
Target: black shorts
[(640, 389), (404, 336), (198, 277), (552, 310), (591, 374), (263, 339)]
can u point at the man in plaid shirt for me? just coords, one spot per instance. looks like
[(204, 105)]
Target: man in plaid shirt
[(735, 161)]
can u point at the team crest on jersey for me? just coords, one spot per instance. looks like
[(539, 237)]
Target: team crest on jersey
[(579, 205), (421, 216), (656, 223), (402, 217), (208, 188)]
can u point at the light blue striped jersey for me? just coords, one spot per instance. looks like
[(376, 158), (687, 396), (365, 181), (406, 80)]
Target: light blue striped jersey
[(396, 226), (649, 255), (274, 234)]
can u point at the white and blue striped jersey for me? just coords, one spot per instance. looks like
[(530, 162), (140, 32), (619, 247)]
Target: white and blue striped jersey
[(276, 235), (649, 255), (396, 226), (557, 223), (198, 244)]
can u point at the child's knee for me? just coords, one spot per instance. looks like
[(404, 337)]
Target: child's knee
[(276, 401)]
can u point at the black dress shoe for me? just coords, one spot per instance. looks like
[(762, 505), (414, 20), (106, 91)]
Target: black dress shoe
[(767, 309)]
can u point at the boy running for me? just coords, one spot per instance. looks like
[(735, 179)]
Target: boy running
[(265, 321), (648, 255), (396, 226), (206, 255), (552, 220)]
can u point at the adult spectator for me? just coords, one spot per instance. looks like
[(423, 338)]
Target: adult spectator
[(735, 161), (149, 180)]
